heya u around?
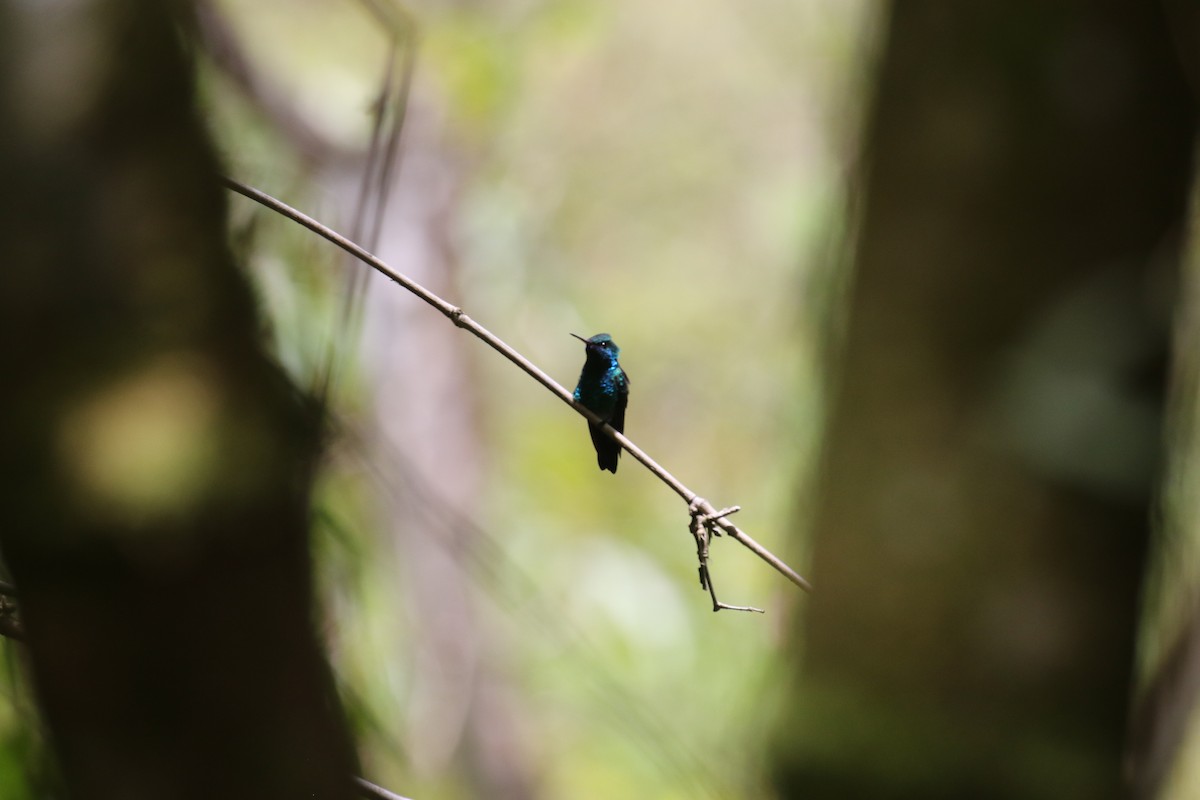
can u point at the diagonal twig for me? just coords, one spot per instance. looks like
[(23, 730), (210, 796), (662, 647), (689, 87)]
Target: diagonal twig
[(697, 504), (370, 791)]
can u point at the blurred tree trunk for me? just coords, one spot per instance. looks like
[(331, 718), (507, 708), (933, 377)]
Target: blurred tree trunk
[(987, 489), (156, 463)]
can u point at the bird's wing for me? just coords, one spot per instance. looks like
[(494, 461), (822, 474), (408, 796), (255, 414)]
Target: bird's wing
[(618, 417)]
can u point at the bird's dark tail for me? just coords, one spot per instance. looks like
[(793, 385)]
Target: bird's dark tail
[(607, 451)]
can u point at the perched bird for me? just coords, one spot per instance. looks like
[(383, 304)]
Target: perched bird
[(604, 390)]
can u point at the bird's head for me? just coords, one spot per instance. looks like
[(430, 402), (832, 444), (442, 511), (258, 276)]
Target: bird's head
[(601, 344)]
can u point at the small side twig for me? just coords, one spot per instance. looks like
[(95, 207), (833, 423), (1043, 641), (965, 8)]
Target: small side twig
[(456, 315), (703, 528)]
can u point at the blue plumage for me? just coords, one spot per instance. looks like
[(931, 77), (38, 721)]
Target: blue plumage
[(604, 389)]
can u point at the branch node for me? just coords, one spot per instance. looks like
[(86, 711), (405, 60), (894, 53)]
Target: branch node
[(703, 527)]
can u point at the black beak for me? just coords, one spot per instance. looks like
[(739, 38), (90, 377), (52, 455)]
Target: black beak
[(580, 338)]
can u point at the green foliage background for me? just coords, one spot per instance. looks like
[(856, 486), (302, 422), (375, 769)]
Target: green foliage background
[(673, 173), (680, 175)]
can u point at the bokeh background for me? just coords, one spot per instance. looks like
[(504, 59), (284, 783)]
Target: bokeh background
[(674, 174), (912, 283)]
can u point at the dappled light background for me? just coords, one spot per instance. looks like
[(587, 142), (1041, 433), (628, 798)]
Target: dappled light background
[(989, 393), (506, 620)]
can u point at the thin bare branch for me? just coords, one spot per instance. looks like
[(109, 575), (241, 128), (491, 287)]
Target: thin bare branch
[(459, 317), (372, 792)]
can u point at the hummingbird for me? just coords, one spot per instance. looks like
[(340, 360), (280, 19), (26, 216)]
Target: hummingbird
[(604, 390)]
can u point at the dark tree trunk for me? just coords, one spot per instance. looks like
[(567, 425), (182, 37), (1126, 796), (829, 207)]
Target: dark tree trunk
[(155, 462), (987, 490)]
